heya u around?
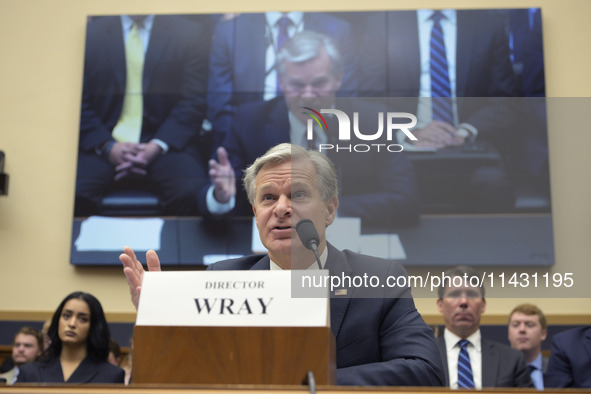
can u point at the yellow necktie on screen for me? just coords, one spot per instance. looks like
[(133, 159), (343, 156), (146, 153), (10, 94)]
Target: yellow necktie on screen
[(129, 126)]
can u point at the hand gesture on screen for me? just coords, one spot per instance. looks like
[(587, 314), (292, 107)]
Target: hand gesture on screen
[(121, 151), (437, 134), (222, 177), (133, 159), (134, 271)]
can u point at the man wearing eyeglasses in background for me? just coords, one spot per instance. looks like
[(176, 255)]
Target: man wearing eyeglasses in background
[(469, 360)]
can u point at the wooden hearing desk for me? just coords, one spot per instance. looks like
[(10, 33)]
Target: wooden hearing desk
[(224, 389)]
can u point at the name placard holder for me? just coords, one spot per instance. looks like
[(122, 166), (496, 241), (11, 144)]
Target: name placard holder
[(230, 327)]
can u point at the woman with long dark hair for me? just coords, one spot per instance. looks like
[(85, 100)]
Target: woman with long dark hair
[(79, 346)]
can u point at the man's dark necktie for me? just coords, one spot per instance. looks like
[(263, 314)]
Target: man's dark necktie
[(283, 35), (440, 85), (465, 377)]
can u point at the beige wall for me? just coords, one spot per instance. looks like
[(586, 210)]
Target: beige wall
[(42, 45)]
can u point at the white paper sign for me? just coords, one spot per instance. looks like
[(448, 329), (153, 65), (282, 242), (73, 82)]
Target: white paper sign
[(98, 233), (227, 298)]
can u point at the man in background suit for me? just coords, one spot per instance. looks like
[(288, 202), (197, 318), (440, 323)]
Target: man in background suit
[(26, 347), (143, 102), (381, 338), (243, 57), (570, 359), (378, 187), (469, 360), (527, 331)]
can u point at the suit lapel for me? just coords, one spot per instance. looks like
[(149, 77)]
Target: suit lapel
[(587, 343), (545, 363), (85, 372), (403, 45), (277, 129), (52, 372), (490, 363), (262, 264), (443, 353), (410, 49), (159, 39), (113, 40), (337, 265), (464, 44), (250, 43)]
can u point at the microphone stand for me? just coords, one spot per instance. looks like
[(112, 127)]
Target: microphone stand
[(314, 247)]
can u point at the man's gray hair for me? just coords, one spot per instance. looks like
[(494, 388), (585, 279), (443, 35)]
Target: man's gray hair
[(462, 271), (326, 176), (307, 45)]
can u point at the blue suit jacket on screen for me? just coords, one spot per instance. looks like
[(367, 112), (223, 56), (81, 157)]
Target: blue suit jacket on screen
[(381, 341), (237, 61), (174, 81), (483, 66)]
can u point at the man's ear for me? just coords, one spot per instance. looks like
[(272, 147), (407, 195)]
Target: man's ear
[(332, 204), (440, 305)]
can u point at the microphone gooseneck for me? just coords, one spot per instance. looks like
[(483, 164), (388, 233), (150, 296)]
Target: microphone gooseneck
[(309, 237)]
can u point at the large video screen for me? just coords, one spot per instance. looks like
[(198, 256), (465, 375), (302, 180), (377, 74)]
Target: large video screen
[(435, 121)]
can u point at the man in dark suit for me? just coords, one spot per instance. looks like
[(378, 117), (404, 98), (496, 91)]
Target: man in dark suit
[(378, 187), (381, 338), (480, 69), (27, 346), (243, 54), (460, 87), (527, 331), (469, 360), (570, 359), (143, 102)]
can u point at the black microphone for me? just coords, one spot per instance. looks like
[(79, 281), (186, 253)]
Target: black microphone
[(309, 237)]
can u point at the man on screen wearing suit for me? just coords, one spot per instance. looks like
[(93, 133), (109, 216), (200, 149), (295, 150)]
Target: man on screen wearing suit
[(527, 331), (478, 66), (452, 69), (243, 58), (570, 359), (469, 360), (143, 101), (380, 340), (378, 187)]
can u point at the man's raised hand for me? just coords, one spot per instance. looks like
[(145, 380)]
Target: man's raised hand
[(134, 271)]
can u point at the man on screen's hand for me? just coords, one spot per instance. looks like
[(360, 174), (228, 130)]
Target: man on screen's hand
[(437, 134), (132, 159), (222, 177)]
